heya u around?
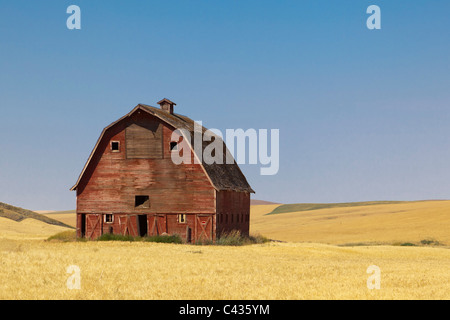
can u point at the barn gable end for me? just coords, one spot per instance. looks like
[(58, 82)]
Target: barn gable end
[(130, 185)]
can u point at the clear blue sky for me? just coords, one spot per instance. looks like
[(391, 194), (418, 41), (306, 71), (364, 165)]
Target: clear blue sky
[(363, 114)]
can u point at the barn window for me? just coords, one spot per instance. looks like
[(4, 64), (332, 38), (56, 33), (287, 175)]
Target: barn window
[(115, 146), (142, 202), (173, 146), (181, 218), (109, 218)]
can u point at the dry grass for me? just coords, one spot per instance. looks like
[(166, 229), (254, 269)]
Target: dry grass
[(377, 224), (68, 217), (27, 229), (35, 269), (122, 270), (19, 214)]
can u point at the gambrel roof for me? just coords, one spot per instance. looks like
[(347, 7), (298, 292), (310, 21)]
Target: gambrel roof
[(222, 176)]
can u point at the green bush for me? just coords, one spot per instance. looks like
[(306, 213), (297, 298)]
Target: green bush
[(429, 242), (64, 236), (160, 238), (164, 239), (258, 239), (235, 238), (407, 244), (115, 237)]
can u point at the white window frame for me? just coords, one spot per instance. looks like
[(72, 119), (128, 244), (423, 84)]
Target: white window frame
[(108, 222), (118, 143), (182, 218)]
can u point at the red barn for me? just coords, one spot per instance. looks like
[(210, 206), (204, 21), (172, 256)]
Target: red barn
[(131, 186)]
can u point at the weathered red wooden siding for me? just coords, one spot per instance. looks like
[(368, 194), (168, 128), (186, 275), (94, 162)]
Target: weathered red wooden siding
[(112, 181), (79, 226), (198, 227), (94, 225), (233, 212), (123, 224), (201, 227), (174, 227)]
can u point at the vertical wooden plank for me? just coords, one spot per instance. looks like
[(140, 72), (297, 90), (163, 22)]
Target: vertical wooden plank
[(195, 229)]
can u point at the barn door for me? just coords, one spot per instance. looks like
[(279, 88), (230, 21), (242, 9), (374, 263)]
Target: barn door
[(127, 227), (93, 226), (203, 227), (142, 226), (156, 224), (82, 225)]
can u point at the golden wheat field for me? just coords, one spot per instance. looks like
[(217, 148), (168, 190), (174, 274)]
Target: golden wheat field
[(67, 218), (112, 270), (318, 261), (375, 224), (27, 229)]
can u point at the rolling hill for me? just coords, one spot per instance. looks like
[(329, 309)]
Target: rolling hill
[(68, 217), (402, 223), (255, 202), (298, 207), (19, 214)]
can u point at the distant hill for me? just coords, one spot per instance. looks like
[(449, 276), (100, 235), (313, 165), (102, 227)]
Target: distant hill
[(19, 214), (424, 222), (300, 207), (68, 217), (255, 202)]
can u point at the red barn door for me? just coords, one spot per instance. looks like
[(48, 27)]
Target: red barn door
[(203, 227), (156, 224), (93, 226), (128, 225)]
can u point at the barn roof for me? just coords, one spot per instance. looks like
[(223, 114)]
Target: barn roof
[(222, 176)]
